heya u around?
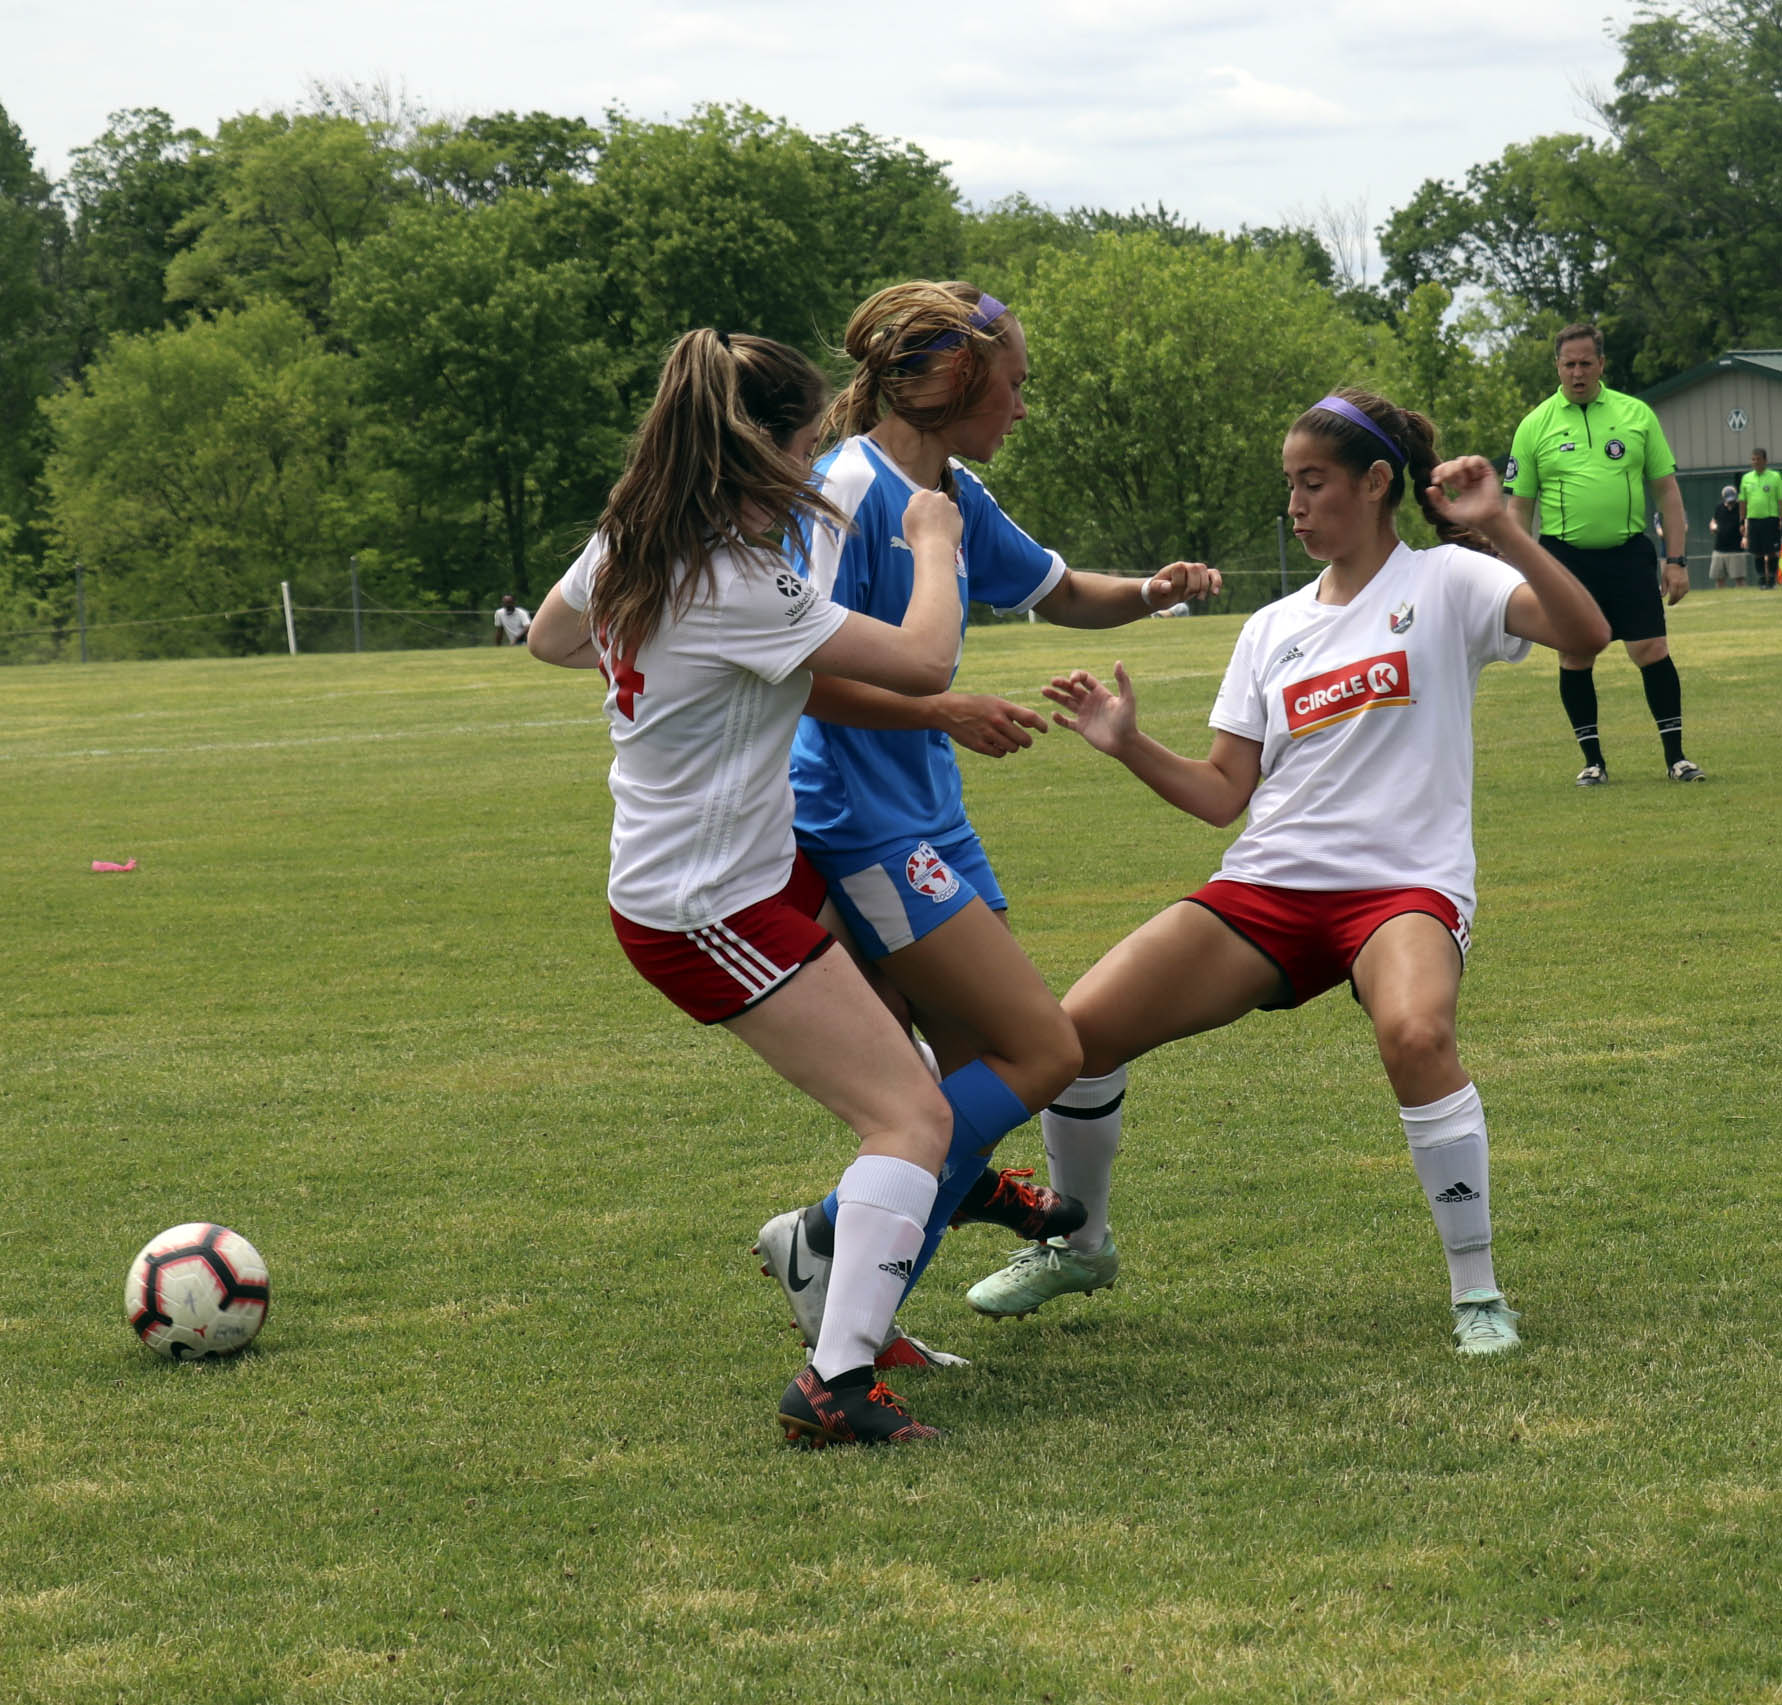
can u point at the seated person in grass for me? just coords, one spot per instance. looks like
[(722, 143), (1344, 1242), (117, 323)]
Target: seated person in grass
[(1344, 728), (708, 640)]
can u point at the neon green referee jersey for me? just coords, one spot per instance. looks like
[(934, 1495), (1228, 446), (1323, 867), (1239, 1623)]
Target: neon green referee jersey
[(1587, 465), (1761, 494)]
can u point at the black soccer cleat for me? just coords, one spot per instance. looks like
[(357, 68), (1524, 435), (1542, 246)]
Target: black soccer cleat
[(1033, 1211), (851, 1409)]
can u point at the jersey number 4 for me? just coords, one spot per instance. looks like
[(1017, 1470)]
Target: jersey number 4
[(621, 672)]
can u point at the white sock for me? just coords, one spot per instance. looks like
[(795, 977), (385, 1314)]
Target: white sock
[(885, 1204), (1082, 1133), (1453, 1160)]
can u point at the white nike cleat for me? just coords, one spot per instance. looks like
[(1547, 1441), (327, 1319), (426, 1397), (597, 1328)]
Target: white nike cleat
[(803, 1275), (786, 1255)]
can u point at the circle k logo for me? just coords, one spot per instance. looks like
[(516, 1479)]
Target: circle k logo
[(1382, 678)]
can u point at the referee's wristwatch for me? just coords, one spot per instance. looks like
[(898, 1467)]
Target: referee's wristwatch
[(1680, 561)]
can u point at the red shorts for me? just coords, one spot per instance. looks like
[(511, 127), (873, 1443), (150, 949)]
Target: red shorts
[(1312, 938), (722, 969)]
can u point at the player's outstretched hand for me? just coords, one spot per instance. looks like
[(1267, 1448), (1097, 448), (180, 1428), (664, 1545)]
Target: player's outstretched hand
[(932, 515), (989, 726), (1106, 720), (1469, 492), (1180, 582)]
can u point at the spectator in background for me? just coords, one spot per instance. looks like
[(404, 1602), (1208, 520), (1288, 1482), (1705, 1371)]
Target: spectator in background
[(1729, 554), (1760, 506), (511, 622)]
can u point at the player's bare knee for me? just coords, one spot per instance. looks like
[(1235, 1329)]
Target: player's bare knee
[(1050, 1060), (1413, 1042)]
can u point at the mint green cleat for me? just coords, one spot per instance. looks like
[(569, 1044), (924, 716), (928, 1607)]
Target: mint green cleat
[(1484, 1324), (1040, 1272)]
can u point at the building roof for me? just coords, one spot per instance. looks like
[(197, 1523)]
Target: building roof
[(1765, 362)]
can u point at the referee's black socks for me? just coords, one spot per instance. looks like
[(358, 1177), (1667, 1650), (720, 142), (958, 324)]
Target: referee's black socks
[(1577, 692), (1664, 698)]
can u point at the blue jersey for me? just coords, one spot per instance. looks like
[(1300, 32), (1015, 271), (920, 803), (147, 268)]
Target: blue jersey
[(859, 790)]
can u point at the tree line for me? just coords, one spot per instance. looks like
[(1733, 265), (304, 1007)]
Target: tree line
[(351, 332)]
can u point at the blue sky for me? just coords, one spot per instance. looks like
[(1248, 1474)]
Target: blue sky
[(1228, 113)]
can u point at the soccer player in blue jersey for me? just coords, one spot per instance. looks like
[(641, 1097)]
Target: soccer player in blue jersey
[(938, 377)]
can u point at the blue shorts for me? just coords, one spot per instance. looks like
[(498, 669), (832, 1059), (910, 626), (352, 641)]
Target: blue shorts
[(910, 890)]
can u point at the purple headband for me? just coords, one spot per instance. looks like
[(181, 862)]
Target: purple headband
[(988, 309), (1349, 411)]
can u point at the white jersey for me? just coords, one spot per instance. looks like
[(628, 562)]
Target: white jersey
[(1364, 715), (702, 721)]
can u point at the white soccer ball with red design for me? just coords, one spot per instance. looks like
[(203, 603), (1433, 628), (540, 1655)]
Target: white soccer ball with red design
[(195, 1291)]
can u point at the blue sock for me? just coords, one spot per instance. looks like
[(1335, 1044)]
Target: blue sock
[(985, 1110)]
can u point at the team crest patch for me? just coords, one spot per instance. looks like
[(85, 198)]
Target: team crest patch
[(1512, 468), (927, 873), (1400, 620), (1614, 449)]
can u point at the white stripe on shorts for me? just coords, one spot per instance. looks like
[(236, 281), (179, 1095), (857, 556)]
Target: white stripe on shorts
[(875, 895), (746, 963)]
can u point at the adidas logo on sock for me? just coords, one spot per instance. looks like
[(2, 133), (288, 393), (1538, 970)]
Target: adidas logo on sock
[(898, 1269), (1459, 1191)]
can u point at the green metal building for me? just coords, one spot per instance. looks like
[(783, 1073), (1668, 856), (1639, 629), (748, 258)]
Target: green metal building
[(1713, 417)]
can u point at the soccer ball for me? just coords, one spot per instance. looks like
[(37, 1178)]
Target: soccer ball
[(195, 1291)]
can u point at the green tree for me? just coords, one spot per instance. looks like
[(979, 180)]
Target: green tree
[(34, 344), (495, 398), (290, 197), (737, 220), (1696, 221), (193, 469), (131, 192), (1163, 379), (481, 159)]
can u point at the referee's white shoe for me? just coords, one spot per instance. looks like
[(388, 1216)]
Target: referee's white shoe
[(1684, 770)]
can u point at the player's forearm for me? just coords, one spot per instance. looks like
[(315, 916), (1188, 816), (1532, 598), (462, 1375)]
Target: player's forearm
[(1195, 785), (853, 704), (1083, 600), (1578, 623)]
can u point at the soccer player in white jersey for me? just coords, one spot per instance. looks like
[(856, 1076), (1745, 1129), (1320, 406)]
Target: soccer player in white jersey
[(708, 641), (1344, 727), (938, 376)]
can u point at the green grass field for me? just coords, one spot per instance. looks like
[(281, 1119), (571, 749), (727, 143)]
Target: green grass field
[(508, 1434)]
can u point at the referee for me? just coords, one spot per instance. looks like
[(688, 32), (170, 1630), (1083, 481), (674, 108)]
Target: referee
[(1588, 454)]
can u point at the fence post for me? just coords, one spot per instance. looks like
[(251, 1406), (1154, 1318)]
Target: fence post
[(358, 637), (80, 606), (1281, 546), (284, 586)]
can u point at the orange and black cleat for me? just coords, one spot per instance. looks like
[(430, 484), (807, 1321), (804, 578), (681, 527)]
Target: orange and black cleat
[(1032, 1211), (851, 1409)]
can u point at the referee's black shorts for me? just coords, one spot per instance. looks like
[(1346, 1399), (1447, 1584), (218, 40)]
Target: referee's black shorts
[(1761, 533), (1623, 579)]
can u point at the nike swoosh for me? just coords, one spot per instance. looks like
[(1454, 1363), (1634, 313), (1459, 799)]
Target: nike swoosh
[(793, 1281)]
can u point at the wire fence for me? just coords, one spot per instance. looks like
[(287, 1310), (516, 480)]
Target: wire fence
[(351, 621), (247, 630)]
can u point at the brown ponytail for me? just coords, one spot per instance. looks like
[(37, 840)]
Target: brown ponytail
[(894, 338), (713, 445), (1411, 433)]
